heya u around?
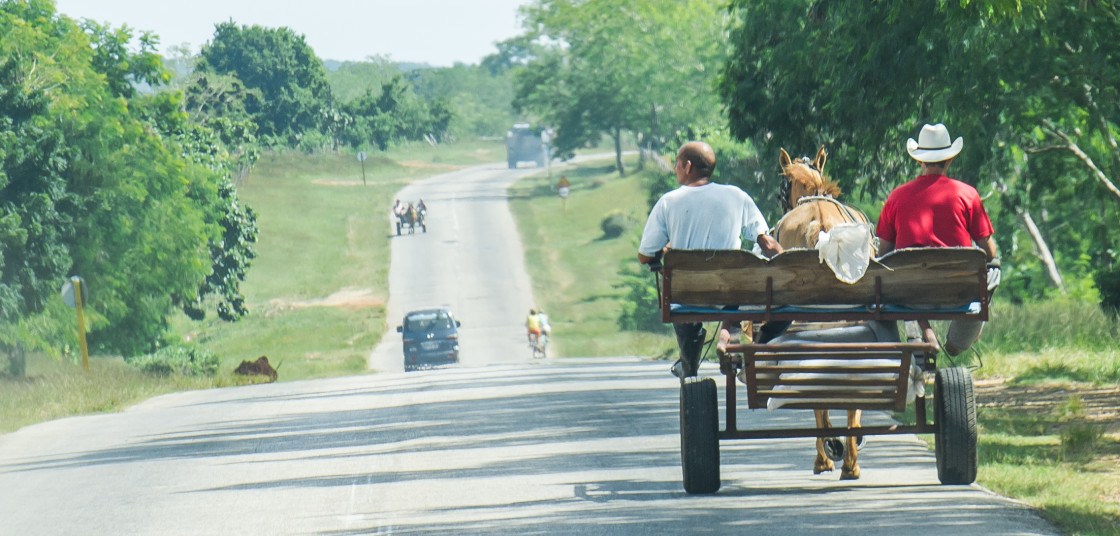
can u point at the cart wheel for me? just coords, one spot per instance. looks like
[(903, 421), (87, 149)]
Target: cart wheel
[(955, 419), (699, 436)]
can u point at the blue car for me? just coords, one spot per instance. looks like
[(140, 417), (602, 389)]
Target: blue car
[(431, 338)]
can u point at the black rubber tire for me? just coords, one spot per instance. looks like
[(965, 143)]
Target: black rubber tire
[(955, 419), (699, 436), (398, 228)]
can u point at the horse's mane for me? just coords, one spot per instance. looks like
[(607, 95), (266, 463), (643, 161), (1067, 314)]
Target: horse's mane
[(812, 180)]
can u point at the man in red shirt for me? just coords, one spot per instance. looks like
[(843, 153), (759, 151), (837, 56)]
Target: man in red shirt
[(933, 210)]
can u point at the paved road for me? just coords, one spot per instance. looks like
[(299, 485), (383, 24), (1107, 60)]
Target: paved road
[(470, 259), (565, 448), (499, 445)]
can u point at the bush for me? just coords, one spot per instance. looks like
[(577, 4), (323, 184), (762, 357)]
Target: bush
[(1108, 284), (639, 307), (182, 360), (616, 223)]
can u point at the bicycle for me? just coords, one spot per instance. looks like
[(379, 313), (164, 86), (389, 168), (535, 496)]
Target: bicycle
[(539, 345)]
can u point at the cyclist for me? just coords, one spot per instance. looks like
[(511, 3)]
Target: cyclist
[(533, 325), (546, 329)]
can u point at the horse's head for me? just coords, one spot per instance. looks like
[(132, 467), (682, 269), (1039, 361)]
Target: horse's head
[(804, 177)]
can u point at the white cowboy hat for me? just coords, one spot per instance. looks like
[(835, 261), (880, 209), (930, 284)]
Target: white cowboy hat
[(933, 144)]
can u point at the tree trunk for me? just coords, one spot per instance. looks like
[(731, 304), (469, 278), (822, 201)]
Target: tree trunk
[(1044, 254), (618, 151)]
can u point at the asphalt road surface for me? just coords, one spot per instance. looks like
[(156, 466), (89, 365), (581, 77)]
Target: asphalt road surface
[(498, 445), (469, 259)]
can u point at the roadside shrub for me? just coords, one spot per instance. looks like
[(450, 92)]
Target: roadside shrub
[(1108, 284), (182, 360), (1078, 435), (639, 307), (616, 223)]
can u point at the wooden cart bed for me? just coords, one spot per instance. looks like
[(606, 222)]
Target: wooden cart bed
[(907, 284)]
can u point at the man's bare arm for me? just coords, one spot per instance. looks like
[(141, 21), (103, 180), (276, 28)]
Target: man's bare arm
[(988, 244), (885, 247)]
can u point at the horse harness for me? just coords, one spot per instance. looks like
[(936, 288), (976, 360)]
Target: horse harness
[(852, 214)]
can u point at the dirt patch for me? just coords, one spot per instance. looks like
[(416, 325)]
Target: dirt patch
[(350, 299), (428, 165), (1101, 404), (334, 182)]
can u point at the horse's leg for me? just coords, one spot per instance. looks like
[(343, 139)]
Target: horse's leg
[(822, 463), (850, 470)]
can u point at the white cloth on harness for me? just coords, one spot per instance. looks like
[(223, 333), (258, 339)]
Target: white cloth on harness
[(846, 249)]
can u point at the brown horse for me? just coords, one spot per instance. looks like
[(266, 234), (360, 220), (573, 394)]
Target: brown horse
[(809, 201)]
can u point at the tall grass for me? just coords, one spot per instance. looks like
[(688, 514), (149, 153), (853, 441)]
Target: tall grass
[(54, 389), (1053, 340)]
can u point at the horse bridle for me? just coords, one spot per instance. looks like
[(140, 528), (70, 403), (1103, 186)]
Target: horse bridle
[(785, 187)]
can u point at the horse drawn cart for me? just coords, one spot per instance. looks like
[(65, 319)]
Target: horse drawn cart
[(920, 284)]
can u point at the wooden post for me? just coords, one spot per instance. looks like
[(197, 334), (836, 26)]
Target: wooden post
[(81, 321)]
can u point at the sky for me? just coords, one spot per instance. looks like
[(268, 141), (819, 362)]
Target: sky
[(438, 32)]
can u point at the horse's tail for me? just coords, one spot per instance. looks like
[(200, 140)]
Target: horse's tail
[(812, 234)]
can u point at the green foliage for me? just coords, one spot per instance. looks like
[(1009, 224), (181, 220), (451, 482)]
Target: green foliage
[(1108, 284), (280, 65), (181, 360), (639, 308), (124, 68), (352, 79), (616, 223), (101, 181), (601, 69), (1077, 436), (1031, 88), (36, 218)]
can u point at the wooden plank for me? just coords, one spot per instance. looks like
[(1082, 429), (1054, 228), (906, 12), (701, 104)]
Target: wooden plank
[(933, 276), (888, 394), (828, 370), (764, 383)]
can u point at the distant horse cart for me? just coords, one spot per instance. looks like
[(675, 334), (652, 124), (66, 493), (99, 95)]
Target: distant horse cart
[(843, 351), (410, 218)]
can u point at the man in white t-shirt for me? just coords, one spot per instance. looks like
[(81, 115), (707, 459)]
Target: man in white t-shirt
[(701, 215)]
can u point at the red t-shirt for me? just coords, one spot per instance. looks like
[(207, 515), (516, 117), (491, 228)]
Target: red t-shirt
[(933, 211)]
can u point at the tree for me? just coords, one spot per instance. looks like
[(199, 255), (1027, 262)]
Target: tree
[(1013, 79), (95, 181), (282, 67), (645, 68)]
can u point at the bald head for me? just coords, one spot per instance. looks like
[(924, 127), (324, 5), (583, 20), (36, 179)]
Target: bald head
[(700, 155)]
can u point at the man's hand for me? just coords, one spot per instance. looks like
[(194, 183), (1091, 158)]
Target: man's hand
[(653, 262), (770, 247)]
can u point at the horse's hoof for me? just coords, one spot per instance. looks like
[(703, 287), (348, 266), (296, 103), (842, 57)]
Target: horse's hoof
[(819, 467), (849, 474)]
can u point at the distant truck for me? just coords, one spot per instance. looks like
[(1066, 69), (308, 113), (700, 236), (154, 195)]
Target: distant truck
[(524, 145)]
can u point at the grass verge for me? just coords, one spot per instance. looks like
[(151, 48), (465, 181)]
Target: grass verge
[(575, 268)]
